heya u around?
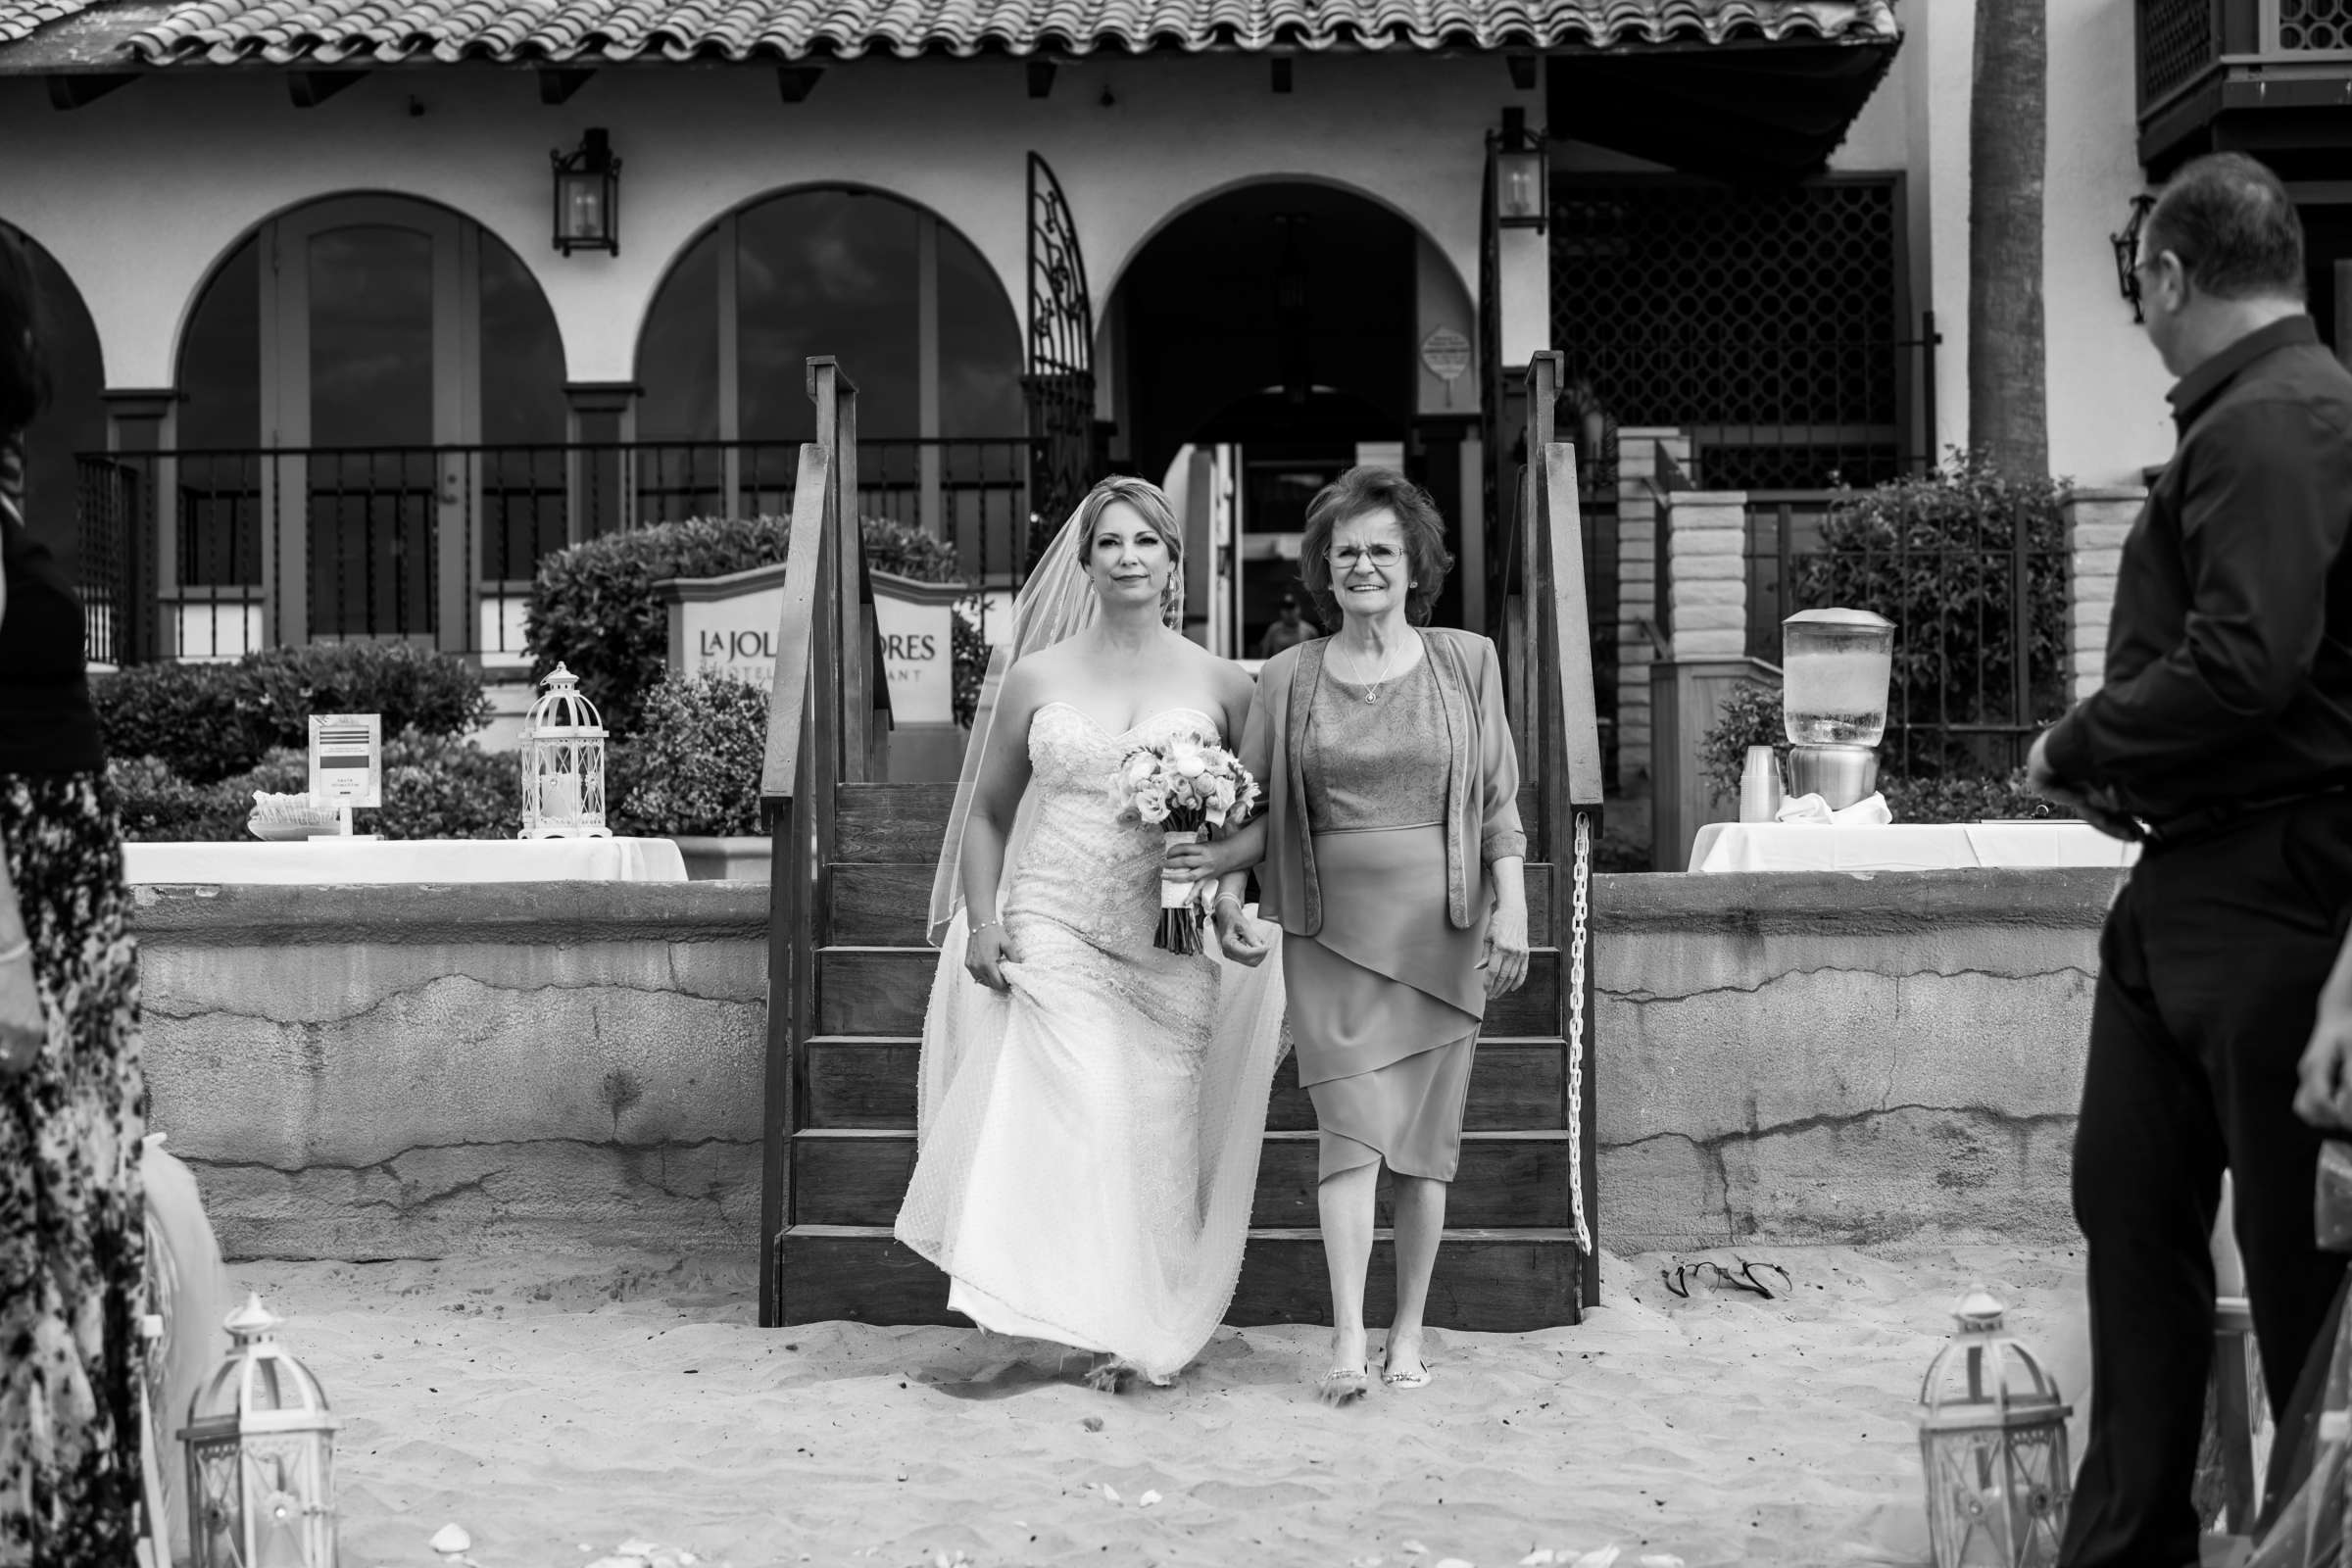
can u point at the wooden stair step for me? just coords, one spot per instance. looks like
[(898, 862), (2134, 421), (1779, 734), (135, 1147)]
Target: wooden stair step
[(869, 1082), (882, 991), (887, 905), (1495, 1281), (898, 824), (859, 1177)]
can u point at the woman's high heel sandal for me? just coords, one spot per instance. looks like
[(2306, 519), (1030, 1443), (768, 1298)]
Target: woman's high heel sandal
[(1344, 1385)]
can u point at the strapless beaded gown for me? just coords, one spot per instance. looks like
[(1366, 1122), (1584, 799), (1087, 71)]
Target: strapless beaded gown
[(1088, 1143)]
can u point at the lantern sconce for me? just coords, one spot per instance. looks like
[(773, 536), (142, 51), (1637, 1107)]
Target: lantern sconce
[(588, 195), (1522, 164), (2127, 253)]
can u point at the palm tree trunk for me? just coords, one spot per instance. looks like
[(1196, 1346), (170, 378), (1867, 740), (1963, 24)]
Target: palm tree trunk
[(2008, 414)]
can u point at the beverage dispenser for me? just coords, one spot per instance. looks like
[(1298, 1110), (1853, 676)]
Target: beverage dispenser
[(1835, 665)]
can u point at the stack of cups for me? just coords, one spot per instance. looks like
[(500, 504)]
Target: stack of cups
[(1760, 791)]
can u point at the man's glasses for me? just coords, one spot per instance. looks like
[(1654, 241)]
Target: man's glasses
[(1380, 557)]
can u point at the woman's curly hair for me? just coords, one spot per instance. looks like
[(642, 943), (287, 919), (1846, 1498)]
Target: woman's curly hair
[(1351, 495)]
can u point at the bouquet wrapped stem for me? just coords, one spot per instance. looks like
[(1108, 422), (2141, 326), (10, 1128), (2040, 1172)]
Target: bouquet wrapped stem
[(1188, 790), (1180, 912)]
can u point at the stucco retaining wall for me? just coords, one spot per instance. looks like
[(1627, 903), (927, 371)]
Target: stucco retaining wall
[(414, 1071), (1843, 1058), (418, 1071)]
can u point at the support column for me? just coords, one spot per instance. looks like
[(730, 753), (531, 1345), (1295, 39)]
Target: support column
[(602, 480), (1640, 636), (1706, 573), (2098, 522), (138, 431)]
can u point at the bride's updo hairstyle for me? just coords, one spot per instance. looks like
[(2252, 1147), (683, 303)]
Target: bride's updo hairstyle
[(1348, 497), (1151, 503)]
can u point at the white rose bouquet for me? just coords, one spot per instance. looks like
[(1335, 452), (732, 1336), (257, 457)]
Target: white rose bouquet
[(1189, 789)]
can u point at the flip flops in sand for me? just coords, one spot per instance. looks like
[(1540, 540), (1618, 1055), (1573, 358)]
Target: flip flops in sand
[(1740, 1276)]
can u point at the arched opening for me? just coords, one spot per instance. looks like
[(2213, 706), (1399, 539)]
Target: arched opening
[(1258, 345), (75, 419), (919, 320), (372, 412)]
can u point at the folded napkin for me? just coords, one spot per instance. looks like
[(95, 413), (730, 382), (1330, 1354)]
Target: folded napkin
[(1869, 812)]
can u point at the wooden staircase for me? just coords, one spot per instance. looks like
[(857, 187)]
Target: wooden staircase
[(851, 974)]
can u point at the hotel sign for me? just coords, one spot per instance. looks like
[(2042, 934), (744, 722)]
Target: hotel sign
[(729, 624)]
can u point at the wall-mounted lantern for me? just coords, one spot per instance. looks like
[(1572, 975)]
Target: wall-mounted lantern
[(1522, 173), (2127, 253), (588, 195)]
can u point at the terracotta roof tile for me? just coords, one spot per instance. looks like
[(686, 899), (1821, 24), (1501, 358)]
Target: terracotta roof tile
[(19, 18), (326, 31)]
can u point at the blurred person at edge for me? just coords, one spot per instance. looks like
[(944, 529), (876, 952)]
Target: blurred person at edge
[(73, 1101), (2222, 741)]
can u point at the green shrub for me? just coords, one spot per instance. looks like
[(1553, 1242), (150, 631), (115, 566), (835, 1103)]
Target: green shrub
[(1749, 717), (209, 720), (1950, 592), (435, 787), (693, 765), (446, 787), (593, 605), (1962, 798)]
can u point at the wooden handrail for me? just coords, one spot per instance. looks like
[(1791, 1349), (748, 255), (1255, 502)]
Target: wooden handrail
[(796, 653), (822, 732), (1554, 685)]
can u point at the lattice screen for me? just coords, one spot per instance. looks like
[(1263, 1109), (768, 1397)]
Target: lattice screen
[(1764, 322), (2177, 39), (2315, 24)]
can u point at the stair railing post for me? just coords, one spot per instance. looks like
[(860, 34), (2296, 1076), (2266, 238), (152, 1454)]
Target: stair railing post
[(798, 775)]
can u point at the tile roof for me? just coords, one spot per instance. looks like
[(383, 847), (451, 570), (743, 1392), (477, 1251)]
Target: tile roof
[(364, 31), (20, 18)]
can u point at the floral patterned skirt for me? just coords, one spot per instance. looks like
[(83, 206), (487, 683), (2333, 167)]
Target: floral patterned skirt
[(72, 1221)]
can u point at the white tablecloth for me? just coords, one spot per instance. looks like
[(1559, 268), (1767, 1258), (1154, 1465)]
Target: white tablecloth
[(1904, 846), (345, 861)]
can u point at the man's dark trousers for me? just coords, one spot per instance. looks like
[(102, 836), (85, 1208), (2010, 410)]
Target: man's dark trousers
[(2210, 969)]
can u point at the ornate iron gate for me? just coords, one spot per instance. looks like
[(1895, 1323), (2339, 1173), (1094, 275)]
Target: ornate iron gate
[(1061, 383)]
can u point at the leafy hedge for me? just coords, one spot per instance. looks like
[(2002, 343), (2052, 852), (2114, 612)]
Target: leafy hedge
[(693, 765), (435, 787), (1950, 590), (593, 605), (207, 721)]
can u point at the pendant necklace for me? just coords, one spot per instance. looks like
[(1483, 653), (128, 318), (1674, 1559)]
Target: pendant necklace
[(1372, 691)]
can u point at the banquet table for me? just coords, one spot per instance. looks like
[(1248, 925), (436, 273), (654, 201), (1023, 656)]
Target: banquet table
[(1904, 846), (339, 860)]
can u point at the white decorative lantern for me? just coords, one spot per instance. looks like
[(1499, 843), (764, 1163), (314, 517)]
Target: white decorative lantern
[(261, 1456), (1992, 1442), (564, 764)]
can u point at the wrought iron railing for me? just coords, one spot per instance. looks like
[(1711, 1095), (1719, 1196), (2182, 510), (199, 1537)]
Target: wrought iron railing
[(2184, 42), (1967, 593), (189, 554)]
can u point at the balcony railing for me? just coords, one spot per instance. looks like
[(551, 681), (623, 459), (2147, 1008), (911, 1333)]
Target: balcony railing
[(2186, 43), (198, 554)]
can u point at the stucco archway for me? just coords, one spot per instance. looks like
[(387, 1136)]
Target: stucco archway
[(1262, 340)]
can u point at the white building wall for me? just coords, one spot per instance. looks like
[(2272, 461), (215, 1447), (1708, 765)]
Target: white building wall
[(2108, 417), (142, 193)]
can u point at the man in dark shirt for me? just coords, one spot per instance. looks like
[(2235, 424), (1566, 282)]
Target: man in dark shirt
[(2223, 739)]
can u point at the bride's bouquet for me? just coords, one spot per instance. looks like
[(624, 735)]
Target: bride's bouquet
[(1188, 790)]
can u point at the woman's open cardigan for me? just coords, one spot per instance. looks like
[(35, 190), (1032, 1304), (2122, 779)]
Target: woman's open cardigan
[(1481, 787)]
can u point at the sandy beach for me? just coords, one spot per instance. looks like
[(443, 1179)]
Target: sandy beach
[(558, 1407)]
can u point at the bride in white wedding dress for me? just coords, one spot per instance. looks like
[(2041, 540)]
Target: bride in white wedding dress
[(1091, 1106)]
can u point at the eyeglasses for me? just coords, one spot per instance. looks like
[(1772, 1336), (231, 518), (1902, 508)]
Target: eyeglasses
[(1380, 557)]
